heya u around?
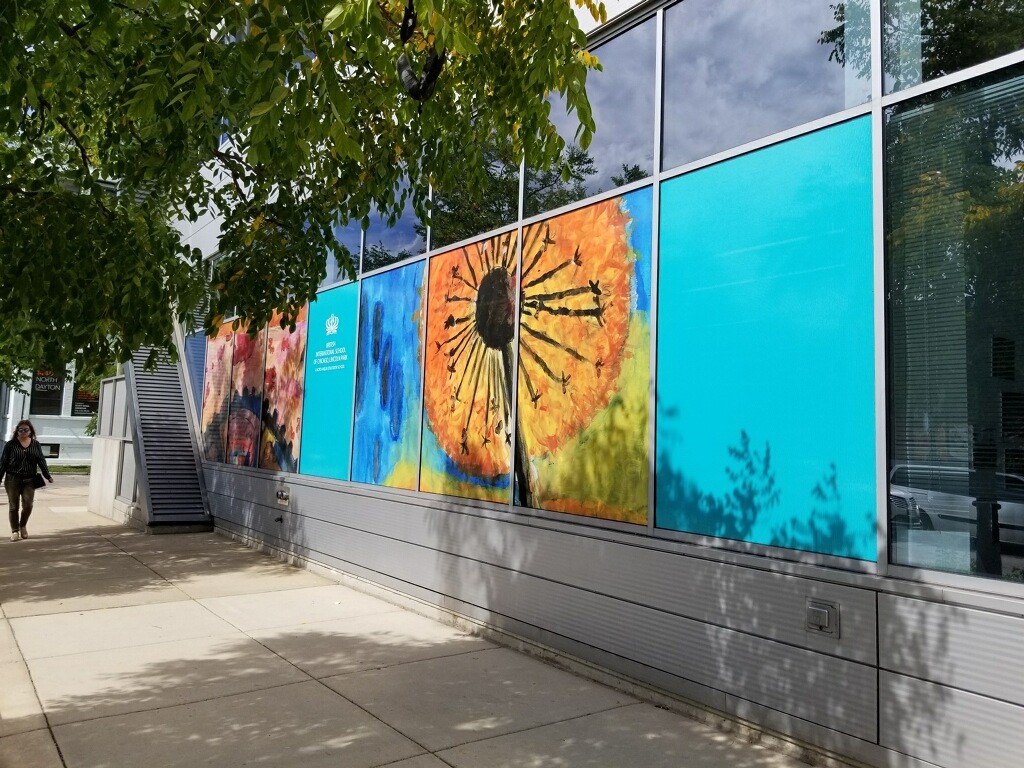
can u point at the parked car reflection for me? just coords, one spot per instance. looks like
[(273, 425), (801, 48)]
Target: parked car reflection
[(943, 499)]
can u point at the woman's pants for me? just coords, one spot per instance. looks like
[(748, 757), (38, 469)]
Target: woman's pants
[(20, 493)]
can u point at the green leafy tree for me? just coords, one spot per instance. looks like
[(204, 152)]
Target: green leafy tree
[(280, 117)]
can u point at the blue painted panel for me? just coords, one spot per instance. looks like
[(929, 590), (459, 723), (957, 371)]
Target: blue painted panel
[(330, 378), (195, 363), (388, 388), (766, 419)]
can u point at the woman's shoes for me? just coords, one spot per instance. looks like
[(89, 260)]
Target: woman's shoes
[(24, 532), (15, 536)]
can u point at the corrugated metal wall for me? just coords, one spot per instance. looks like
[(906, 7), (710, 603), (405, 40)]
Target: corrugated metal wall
[(907, 676)]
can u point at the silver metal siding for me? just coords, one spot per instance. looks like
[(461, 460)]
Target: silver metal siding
[(972, 650), (948, 727), (762, 603), (506, 568)]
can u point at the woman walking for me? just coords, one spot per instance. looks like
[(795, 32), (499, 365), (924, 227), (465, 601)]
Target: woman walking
[(21, 459)]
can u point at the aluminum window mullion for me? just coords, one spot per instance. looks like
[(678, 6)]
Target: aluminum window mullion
[(652, 382), (878, 254), (514, 389), (355, 371)]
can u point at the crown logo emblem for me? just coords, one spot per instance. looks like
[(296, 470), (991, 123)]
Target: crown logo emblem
[(331, 326)]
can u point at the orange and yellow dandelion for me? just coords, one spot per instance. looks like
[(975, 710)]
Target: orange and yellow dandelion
[(581, 371)]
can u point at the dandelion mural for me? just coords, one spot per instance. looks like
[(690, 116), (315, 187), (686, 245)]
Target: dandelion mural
[(582, 370), (217, 394), (584, 352), (247, 361), (283, 389), (469, 363)]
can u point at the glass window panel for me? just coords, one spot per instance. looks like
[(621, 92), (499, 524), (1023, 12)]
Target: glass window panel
[(120, 426), (106, 409), (126, 482), (460, 215), (925, 39), (737, 70), (955, 219), (622, 150), (387, 243), (765, 380), (349, 237)]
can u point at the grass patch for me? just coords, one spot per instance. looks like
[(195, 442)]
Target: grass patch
[(69, 469)]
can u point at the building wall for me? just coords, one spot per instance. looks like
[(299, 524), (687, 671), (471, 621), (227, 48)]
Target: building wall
[(64, 431), (661, 422)]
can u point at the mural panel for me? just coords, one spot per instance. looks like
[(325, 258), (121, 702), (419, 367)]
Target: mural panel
[(766, 420), (330, 381), (283, 384), (247, 363), (584, 361), (217, 394), (470, 321), (388, 399)]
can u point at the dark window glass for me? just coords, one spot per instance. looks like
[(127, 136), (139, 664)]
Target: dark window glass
[(349, 238), (955, 222), (391, 241), (925, 39), (622, 150), (462, 214), (737, 70)]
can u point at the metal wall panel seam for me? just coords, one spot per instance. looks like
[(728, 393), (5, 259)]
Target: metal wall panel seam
[(949, 726), (564, 554), (582, 529), (961, 648), (355, 533), (661, 688), (413, 566)]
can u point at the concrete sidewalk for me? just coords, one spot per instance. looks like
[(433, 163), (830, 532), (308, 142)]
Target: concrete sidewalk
[(122, 649)]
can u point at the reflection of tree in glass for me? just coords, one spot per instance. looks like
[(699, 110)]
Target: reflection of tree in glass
[(464, 213), (955, 180), (377, 256), (924, 39)]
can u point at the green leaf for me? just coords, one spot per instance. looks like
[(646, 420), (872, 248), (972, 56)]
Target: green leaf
[(333, 19)]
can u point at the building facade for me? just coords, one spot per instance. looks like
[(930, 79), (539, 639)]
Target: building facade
[(59, 410), (735, 412)]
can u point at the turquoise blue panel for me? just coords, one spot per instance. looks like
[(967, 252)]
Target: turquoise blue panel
[(765, 380), (330, 378), (388, 380)]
